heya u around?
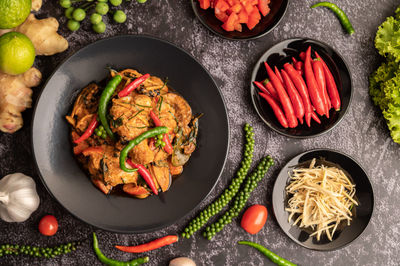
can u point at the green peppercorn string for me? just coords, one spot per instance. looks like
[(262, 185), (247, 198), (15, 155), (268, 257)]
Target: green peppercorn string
[(40, 252), (215, 207), (240, 199)]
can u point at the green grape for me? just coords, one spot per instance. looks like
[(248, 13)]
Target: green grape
[(100, 27), (68, 12), (95, 18), (119, 16), (73, 25), (65, 3), (79, 14), (115, 2), (102, 8)]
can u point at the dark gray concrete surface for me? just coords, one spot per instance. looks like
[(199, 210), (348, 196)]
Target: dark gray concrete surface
[(362, 134)]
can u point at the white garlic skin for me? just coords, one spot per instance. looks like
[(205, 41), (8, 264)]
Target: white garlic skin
[(18, 197), (182, 261)]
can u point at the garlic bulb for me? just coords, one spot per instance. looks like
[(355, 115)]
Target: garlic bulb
[(18, 197)]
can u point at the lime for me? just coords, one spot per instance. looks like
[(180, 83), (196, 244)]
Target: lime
[(17, 53), (13, 12)]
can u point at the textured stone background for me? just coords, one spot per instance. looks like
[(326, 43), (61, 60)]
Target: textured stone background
[(362, 134)]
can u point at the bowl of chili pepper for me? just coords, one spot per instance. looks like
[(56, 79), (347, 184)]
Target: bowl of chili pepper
[(301, 88), (240, 19)]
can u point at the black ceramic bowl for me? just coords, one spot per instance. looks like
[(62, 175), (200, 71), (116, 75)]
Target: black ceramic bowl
[(266, 24), (52, 147), (364, 195), (282, 53)]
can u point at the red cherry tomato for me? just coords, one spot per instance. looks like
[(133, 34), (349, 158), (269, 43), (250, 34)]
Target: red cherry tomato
[(254, 219), (48, 225)]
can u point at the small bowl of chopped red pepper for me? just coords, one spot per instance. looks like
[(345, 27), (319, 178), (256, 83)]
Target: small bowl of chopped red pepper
[(240, 19), (301, 88)]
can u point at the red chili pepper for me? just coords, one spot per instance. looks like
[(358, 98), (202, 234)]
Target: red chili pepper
[(315, 117), (276, 108), (320, 77), (301, 87), (294, 60), (92, 150), (278, 74), (89, 131), (266, 90), (142, 170), (294, 96), (168, 146), (270, 88), (283, 97), (299, 66), (133, 85), (330, 85), (155, 244), (302, 56), (313, 89)]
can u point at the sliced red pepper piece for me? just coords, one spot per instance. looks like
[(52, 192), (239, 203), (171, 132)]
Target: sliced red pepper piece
[(142, 170), (89, 130), (168, 146), (133, 85)]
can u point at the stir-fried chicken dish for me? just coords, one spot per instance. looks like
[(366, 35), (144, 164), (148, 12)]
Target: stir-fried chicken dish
[(134, 133)]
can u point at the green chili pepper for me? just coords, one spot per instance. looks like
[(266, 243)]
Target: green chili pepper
[(268, 253), (148, 134), (104, 99), (339, 13), (112, 262)]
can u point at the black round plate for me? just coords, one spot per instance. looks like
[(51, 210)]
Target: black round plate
[(282, 53), (364, 194), (266, 24), (61, 173)]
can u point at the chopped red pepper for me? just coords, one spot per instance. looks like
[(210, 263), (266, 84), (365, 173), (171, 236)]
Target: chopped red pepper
[(89, 131), (168, 146), (133, 85), (145, 174)]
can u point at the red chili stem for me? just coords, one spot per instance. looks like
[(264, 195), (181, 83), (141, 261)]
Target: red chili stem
[(301, 87), (294, 60), (276, 108), (155, 244), (89, 130), (133, 85), (294, 96), (302, 56), (283, 97), (142, 170), (168, 146), (313, 89), (320, 77), (330, 85)]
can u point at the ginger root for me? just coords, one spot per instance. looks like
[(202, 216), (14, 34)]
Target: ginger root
[(15, 97), (43, 34), (36, 5)]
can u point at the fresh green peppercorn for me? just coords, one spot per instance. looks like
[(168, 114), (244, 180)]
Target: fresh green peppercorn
[(102, 1), (102, 9), (115, 2), (104, 135), (79, 14), (119, 16), (65, 3), (95, 18), (73, 25), (68, 12), (141, 1)]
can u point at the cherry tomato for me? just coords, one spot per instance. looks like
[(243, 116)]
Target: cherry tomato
[(48, 225), (254, 219)]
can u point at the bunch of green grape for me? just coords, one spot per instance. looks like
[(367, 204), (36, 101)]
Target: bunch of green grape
[(76, 15)]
